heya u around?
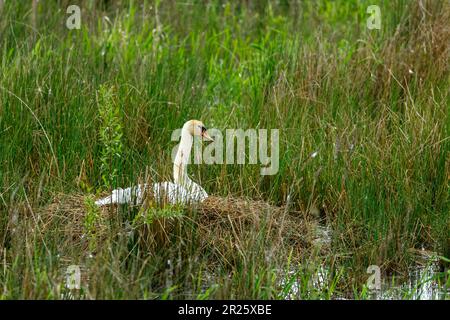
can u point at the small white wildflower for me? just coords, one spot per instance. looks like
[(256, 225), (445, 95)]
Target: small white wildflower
[(314, 154), (410, 71)]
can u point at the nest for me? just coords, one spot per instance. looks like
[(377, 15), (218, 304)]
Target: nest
[(66, 215), (240, 215), (225, 226), (237, 226)]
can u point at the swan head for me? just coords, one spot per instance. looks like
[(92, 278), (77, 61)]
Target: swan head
[(197, 129)]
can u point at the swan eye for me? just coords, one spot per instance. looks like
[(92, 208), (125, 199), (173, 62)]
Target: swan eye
[(203, 129)]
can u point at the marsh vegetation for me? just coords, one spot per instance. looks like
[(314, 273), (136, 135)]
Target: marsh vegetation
[(364, 168)]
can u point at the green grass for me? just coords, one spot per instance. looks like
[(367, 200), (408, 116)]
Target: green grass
[(373, 103)]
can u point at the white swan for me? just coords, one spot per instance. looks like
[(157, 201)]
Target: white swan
[(184, 190)]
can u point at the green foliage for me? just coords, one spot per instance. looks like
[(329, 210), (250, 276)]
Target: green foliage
[(94, 109), (148, 215), (110, 132), (92, 222)]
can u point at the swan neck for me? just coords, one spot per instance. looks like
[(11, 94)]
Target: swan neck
[(182, 158)]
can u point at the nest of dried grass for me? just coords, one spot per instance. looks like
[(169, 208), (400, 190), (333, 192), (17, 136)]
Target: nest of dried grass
[(66, 215), (236, 225), (225, 226), (239, 215)]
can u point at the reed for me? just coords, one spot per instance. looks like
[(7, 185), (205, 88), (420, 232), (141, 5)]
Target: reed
[(372, 106)]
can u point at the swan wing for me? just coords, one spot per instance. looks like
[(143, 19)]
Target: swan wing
[(121, 196), (195, 192), (164, 191)]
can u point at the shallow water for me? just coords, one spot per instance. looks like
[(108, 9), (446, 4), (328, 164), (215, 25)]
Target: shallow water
[(422, 283), (425, 280)]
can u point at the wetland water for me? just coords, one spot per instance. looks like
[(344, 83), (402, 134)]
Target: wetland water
[(424, 280)]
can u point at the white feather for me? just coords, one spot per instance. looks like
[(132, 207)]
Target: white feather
[(164, 191)]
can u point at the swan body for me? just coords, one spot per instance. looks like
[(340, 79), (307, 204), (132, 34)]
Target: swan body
[(182, 191), (164, 191)]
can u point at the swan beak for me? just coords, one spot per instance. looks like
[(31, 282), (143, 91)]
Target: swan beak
[(206, 136)]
